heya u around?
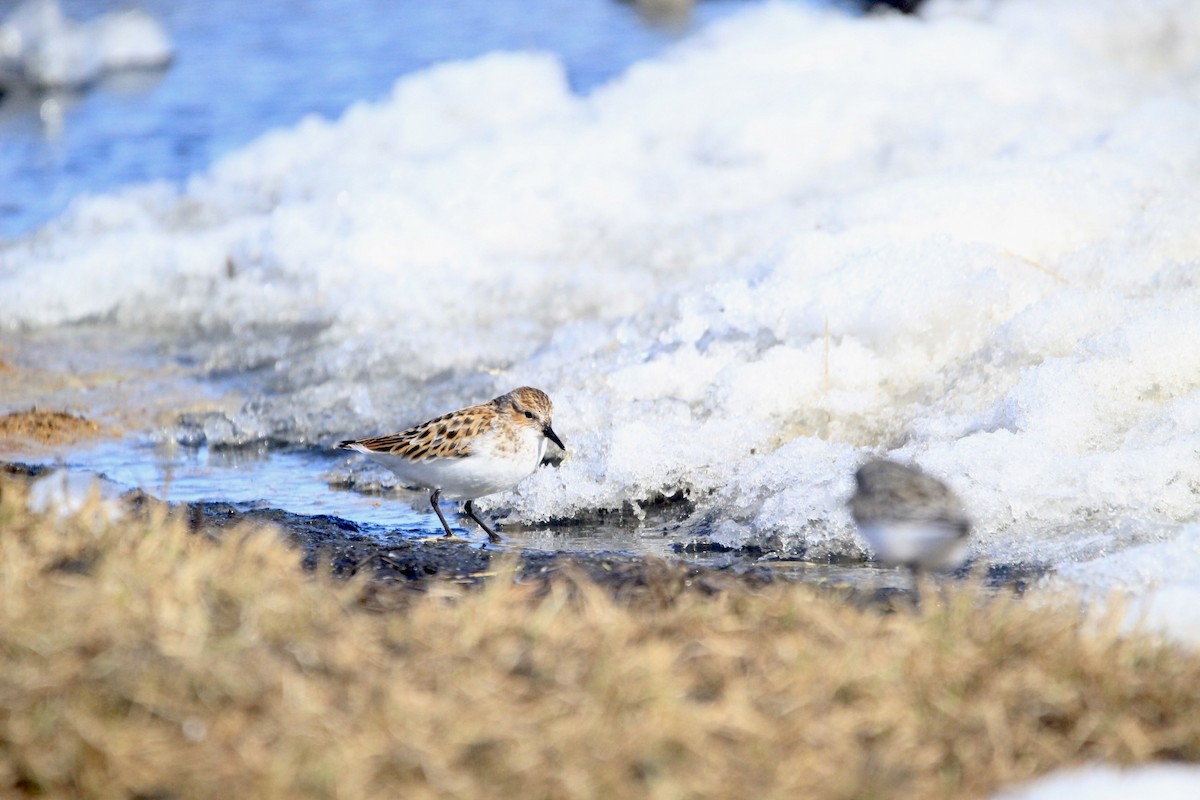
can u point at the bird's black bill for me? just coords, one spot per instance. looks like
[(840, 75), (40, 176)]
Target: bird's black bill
[(552, 436)]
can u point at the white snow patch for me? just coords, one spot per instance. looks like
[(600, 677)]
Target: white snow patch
[(1101, 782)]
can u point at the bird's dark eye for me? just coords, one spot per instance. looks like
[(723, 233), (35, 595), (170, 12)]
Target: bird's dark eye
[(529, 415)]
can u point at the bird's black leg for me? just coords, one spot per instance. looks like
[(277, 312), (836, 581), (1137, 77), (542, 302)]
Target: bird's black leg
[(918, 576), (493, 537), (433, 500)]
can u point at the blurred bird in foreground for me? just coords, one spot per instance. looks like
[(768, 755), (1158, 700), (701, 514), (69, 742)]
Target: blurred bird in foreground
[(909, 518)]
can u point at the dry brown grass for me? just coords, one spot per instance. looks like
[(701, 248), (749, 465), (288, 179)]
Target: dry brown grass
[(144, 659)]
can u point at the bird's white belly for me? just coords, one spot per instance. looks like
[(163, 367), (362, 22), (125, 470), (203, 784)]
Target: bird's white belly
[(485, 472), (915, 543)]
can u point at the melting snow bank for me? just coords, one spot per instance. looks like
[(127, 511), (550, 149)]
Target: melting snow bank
[(967, 239), (1158, 583), (1158, 781), (43, 48)]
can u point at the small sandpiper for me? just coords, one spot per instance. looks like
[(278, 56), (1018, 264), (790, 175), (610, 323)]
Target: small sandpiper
[(469, 453)]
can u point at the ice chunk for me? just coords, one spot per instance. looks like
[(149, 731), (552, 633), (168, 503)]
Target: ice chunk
[(131, 39), (46, 49)]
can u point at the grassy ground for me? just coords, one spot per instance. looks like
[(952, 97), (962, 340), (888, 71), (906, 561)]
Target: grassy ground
[(143, 659)]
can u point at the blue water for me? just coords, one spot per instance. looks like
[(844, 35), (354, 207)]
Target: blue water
[(243, 68), (294, 482)]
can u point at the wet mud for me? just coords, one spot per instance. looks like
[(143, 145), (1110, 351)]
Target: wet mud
[(343, 548)]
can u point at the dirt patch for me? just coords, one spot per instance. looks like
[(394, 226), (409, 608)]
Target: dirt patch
[(48, 427)]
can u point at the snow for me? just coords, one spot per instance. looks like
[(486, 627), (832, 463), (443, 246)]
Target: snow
[(1158, 781), (991, 211), (1157, 583)]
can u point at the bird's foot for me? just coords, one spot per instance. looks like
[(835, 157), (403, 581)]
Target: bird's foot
[(443, 538)]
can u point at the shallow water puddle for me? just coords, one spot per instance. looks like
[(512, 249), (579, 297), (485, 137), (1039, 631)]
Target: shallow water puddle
[(295, 482)]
